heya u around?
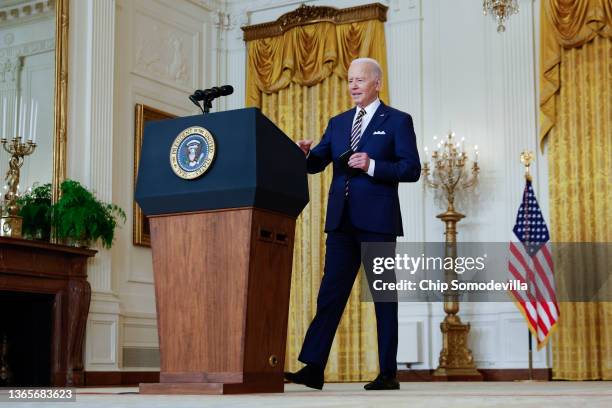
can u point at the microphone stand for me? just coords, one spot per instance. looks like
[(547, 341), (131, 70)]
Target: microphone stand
[(208, 95), (207, 106)]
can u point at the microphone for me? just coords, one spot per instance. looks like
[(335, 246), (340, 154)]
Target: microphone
[(207, 95), (226, 90), (193, 98), (212, 93)]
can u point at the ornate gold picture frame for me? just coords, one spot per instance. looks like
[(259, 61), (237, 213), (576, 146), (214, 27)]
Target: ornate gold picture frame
[(141, 233), (61, 95)]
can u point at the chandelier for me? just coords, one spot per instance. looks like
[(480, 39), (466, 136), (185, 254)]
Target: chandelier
[(500, 10)]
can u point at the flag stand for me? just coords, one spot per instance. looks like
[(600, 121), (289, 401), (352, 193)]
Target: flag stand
[(530, 261), (526, 159), (530, 378), (530, 358)]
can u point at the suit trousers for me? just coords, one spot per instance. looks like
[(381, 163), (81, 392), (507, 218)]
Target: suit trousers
[(342, 260)]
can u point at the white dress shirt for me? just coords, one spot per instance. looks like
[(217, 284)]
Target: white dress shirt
[(370, 110)]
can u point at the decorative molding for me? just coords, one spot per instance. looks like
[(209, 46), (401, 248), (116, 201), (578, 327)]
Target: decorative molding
[(9, 38), (104, 304), (11, 60), (520, 105), (125, 378), (101, 154), (140, 275), (143, 92), (164, 52), (405, 73), (500, 374), (227, 22), (315, 14), (175, 70), (482, 339), (235, 21), (255, 6), (102, 334), (28, 49), (9, 69), (122, 378), (140, 333), (410, 349), (26, 9), (209, 5), (236, 74), (140, 357), (515, 352)]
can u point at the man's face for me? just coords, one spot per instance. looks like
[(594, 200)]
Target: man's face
[(363, 84)]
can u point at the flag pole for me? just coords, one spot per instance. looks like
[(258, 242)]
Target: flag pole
[(526, 159), (530, 357)]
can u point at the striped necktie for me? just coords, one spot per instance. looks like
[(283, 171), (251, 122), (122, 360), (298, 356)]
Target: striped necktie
[(355, 138), (356, 132)]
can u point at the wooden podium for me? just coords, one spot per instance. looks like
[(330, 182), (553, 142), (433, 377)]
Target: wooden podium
[(222, 249)]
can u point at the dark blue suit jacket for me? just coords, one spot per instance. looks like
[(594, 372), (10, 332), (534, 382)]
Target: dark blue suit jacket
[(373, 201)]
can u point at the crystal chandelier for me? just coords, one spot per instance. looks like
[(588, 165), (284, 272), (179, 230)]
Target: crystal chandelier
[(500, 10)]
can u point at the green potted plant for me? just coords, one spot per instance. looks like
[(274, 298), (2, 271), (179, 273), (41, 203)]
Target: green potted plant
[(80, 219), (35, 208)]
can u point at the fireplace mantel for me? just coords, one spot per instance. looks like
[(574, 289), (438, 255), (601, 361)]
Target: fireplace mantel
[(61, 271)]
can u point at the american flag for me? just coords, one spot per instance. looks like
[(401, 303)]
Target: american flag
[(531, 262)]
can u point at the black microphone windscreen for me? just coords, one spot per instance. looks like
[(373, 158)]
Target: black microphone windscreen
[(216, 91), (193, 98), (198, 94), (211, 93), (226, 90)]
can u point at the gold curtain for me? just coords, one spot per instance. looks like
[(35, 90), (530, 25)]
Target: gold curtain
[(576, 118), (298, 79), (565, 24)]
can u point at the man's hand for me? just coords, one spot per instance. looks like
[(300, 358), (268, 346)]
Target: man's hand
[(305, 146), (359, 161)]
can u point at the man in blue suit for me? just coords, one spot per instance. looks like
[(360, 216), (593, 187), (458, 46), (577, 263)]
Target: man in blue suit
[(363, 206)]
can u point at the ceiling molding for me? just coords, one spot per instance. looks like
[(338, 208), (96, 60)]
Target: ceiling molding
[(26, 9)]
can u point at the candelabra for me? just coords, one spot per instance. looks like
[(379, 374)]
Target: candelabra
[(10, 222), (449, 175)]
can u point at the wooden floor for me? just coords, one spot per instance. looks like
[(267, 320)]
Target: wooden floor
[(555, 394)]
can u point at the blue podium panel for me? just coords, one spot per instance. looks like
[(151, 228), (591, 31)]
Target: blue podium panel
[(255, 165)]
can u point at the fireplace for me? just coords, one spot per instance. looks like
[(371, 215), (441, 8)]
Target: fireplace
[(44, 302), (26, 322)]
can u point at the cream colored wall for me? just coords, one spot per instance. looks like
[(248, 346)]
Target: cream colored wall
[(125, 52), (447, 66)]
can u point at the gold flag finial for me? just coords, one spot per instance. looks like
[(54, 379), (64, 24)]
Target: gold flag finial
[(526, 159)]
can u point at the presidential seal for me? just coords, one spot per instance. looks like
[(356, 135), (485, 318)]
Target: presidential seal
[(192, 152)]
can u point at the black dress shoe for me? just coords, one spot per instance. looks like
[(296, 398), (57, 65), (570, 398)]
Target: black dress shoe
[(309, 376), (383, 382)]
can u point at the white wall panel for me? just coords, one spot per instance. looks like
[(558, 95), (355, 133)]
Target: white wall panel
[(101, 343)]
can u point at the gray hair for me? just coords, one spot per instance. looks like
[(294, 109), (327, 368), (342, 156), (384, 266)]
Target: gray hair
[(374, 65)]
